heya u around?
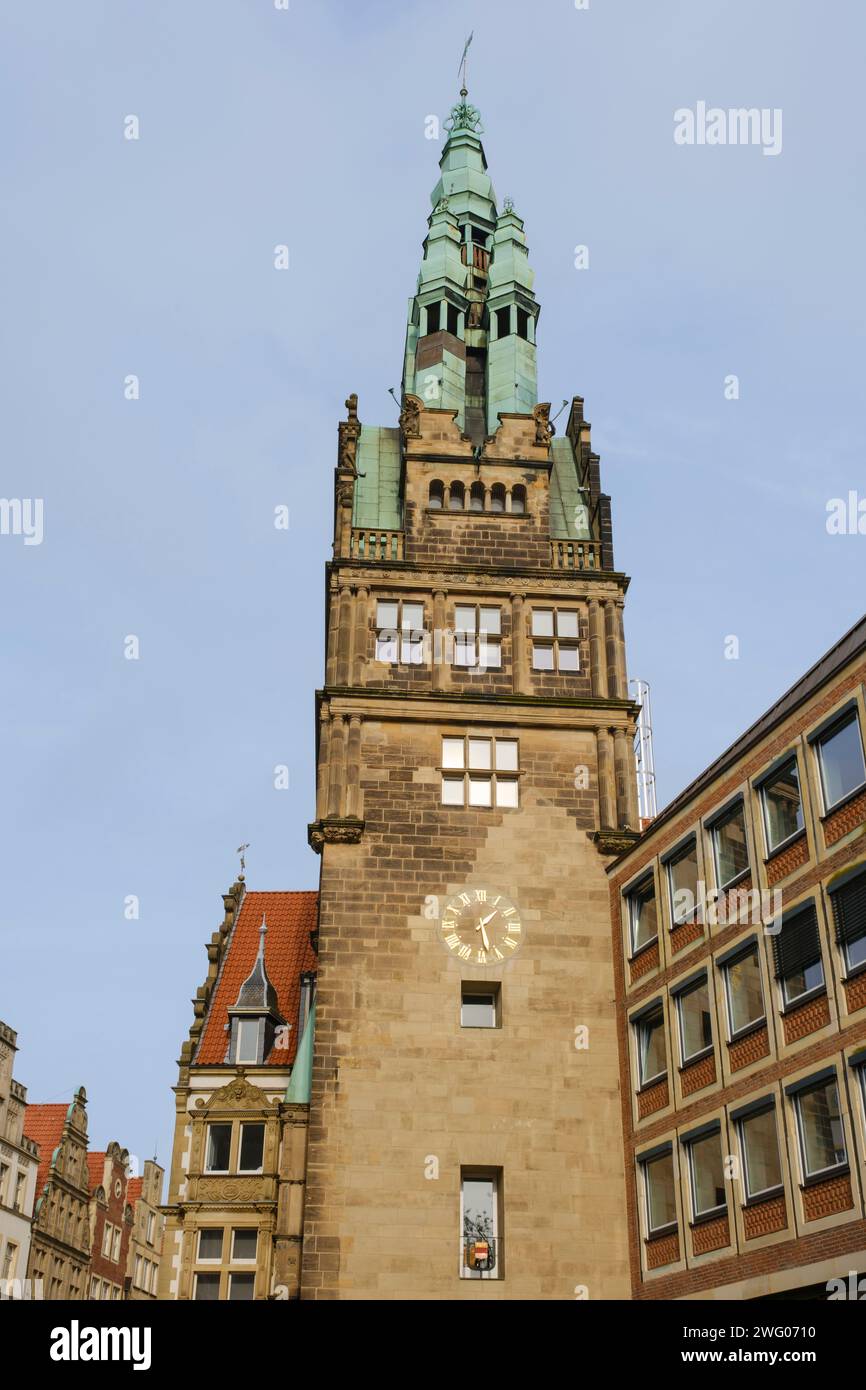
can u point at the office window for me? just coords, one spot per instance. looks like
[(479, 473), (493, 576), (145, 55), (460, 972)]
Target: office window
[(210, 1244), (819, 1128), (477, 636), (652, 1055), (219, 1144), (479, 1223), (555, 640), (661, 1199), (480, 772), (642, 917), (759, 1144), (241, 1287), (782, 805), (683, 883), (849, 915), (207, 1288), (743, 991), (693, 1010), (707, 1175), (729, 846), (797, 953), (252, 1148), (479, 1006), (840, 760), (400, 632), (244, 1243)]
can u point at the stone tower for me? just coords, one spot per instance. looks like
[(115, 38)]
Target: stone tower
[(475, 776)]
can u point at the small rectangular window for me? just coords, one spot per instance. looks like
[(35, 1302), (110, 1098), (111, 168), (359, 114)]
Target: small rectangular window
[(219, 1143), (820, 1129), (492, 768), (683, 884), (555, 639), (210, 1244), (115, 1245), (503, 322), (849, 915), (479, 1221), (760, 1148), (244, 1244), (477, 637), (695, 1020), (643, 922), (707, 1174), (797, 953), (241, 1288), (522, 323), (207, 1288), (479, 1006), (252, 1148), (453, 320), (248, 1040), (743, 992), (661, 1200), (400, 633), (434, 312), (729, 847), (652, 1054), (840, 760), (782, 806)]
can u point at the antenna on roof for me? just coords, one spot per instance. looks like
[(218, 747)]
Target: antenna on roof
[(241, 850), (560, 410), (643, 755)]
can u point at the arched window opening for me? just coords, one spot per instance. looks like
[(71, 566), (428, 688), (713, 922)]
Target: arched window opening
[(497, 497), (457, 498), (476, 497), (436, 498), (518, 499)]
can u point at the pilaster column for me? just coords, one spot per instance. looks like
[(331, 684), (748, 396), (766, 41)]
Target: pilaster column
[(337, 758), (353, 767), (518, 644), (344, 635), (439, 652), (359, 645), (323, 767), (626, 790), (597, 660), (610, 650), (333, 627), (606, 786), (620, 649)]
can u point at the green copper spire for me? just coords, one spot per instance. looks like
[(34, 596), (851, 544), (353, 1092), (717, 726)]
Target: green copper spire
[(470, 339), (301, 1079)]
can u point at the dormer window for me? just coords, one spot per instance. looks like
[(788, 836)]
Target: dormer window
[(255, 1016)]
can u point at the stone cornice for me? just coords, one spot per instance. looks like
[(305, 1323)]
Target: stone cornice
[(557, 580), (485, 707)]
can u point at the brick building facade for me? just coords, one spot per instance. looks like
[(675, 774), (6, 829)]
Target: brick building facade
[(739, 938), (111, 1220)]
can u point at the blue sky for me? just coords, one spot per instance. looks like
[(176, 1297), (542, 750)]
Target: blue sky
[(155, 257)]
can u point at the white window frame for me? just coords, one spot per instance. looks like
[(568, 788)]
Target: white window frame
[(478, 639), (407, 641), (471, 773), (553, 641)]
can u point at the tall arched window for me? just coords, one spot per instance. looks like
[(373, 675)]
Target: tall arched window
[(436, 498), (497, 497), (518, 499), (457, 498), (476, 497)]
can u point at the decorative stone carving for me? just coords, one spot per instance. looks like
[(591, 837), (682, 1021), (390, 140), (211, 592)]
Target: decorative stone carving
[(336, 830), (239, 1094), (410, 417), (544, 430), (230, 1190), (349, 434), (614, 841)]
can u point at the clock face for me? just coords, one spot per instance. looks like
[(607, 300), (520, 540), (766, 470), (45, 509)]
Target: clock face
[(481, 926)]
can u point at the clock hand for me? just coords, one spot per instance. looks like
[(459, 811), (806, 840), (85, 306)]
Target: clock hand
[(480, 928), (488, 918)]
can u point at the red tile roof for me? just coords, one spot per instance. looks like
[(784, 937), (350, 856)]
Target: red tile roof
[(290, 918), (95, 1170), (44, 1125), (133, 1190)]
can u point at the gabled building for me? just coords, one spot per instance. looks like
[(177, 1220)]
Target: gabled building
[(111, 1220), (144, 1196), (236, 1185), (60, 1240), (19, 1158)]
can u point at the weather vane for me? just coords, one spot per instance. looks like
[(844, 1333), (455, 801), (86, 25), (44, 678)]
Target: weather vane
[(241, 850), (462, 64)]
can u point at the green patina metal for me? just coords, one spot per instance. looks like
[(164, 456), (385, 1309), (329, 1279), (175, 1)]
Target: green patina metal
[(301, 1079), (377, 488), (569, 515)]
